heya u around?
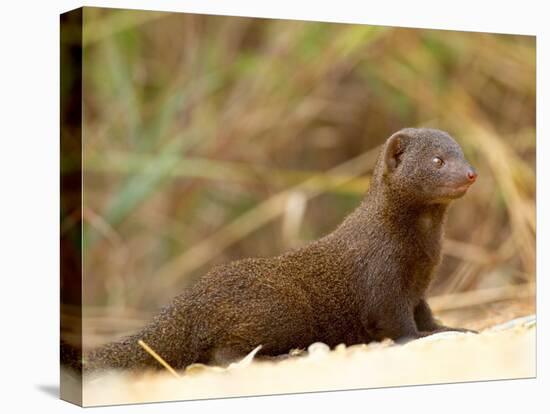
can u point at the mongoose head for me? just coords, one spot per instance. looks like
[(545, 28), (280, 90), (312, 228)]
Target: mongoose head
[(425, 165)]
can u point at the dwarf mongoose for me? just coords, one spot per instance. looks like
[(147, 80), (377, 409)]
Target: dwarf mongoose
[(363, 282)]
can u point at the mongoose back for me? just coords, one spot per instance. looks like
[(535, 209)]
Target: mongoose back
[(363, 282)]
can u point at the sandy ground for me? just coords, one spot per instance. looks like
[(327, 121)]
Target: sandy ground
[(502, 351)]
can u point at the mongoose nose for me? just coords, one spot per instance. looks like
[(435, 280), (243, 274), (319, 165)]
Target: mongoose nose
[(472, 175)]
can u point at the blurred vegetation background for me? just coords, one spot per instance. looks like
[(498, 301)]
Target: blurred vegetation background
[(210, 138)]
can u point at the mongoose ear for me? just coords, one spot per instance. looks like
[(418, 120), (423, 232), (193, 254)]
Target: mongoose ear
[(393, 150)]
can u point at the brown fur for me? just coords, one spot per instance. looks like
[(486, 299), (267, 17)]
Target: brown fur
[(364, 281)]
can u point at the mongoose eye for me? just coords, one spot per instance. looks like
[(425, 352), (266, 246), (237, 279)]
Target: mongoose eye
[(438, 162)]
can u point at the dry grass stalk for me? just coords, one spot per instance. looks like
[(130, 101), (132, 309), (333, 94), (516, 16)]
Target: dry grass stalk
[(481, 296), (158, 358)]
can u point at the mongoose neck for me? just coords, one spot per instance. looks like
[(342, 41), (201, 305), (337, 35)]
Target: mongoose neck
[(398, 207)]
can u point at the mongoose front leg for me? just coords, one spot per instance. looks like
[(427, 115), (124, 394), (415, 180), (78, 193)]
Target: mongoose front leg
[(395, 322), (426, 322)]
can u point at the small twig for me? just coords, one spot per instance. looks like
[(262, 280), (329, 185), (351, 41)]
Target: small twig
[(158, 358)]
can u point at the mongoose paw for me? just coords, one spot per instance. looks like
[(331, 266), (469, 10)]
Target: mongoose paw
[(408, 338)]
